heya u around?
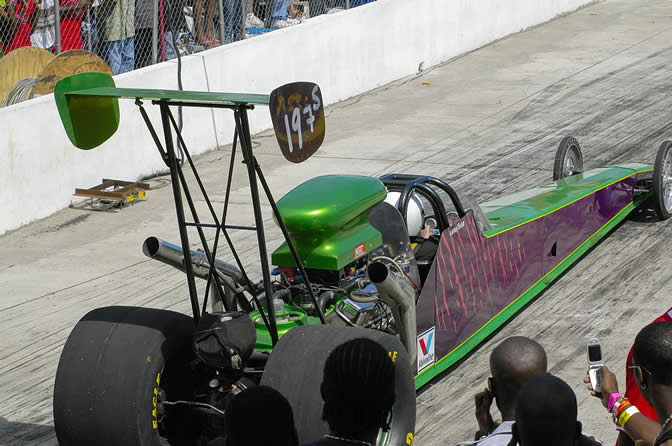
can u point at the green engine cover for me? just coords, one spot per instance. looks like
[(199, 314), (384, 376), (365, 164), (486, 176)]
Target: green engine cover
[(327, 219)]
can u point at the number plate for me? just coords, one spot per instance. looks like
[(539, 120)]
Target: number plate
[(297, 112)]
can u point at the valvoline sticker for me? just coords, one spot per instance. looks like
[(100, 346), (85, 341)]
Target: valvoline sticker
[(426, 349)]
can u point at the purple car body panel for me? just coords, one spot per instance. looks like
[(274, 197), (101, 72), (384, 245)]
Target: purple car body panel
[(476, 275)]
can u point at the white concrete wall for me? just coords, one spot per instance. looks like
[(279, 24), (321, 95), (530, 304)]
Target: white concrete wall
[(346, 54)]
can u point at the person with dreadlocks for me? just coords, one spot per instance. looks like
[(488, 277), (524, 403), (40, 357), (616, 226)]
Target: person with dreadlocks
[(356, 415)]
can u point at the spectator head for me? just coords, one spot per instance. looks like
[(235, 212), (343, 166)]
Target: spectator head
[(546, 413), (358, 389), (513, 363), (652, 359), (242, 419)]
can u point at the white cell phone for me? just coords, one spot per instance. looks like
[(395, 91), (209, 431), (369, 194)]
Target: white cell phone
[(595, 361)]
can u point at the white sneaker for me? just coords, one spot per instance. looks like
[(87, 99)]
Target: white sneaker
[(253, 21), (285, 23)]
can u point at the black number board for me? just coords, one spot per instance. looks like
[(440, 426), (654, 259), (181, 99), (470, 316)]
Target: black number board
[(297, 112)]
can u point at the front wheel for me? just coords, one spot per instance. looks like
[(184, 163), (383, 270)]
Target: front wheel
[(662, 181), (568, 159), (117, 365)]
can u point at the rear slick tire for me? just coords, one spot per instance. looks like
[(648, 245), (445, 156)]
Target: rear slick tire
[(114, 365), (296, 365), (662, 181), (568, 159)]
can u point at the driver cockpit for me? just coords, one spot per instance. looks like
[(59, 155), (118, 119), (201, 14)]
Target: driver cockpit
[(407, 194)]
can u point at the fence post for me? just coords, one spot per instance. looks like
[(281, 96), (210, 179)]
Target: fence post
[(220, 11), (347, 4), (57, 25), (268, 23), (88, 34), (155, 30), (244, 6)]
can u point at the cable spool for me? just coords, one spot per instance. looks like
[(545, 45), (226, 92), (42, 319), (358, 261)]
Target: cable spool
[(21, 63), (29, 72), (66, 64), (21, 91)]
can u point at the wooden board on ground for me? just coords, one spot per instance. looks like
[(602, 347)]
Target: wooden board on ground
[(22, 63), (65, 64), (115, 190)]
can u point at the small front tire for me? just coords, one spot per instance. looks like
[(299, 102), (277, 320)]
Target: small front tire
[(568, 159), (662, 181)]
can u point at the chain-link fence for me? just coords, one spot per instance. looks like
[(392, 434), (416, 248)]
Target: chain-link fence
[(130, 34)]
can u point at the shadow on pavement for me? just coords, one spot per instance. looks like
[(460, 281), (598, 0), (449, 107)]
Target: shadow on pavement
[(15, 433)]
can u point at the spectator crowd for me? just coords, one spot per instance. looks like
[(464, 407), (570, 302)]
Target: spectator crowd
[(122, 31), (536, 407)]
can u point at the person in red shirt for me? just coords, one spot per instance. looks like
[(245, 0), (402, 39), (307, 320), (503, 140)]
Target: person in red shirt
[(72, 13), (645, 424), (632, 392), (23, 19)]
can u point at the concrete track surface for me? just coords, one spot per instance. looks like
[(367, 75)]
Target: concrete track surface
[(489, 123)]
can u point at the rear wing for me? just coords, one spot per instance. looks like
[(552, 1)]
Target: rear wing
[(88, 104)]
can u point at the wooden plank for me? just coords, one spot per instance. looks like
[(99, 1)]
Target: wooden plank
[(99, 194), (145, 186)]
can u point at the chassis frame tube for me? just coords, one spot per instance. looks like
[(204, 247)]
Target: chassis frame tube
[(179, 209), (242, 126)]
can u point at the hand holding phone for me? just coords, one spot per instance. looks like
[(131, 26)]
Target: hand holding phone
[(483, 401), (595, 362)]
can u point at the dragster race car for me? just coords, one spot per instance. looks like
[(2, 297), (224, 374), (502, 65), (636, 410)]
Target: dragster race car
[(347, 269)]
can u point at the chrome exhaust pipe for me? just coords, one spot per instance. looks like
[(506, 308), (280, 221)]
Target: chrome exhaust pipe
[(172, 255), (398, 293)]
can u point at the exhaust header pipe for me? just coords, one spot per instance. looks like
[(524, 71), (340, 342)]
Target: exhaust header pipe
[(172, 255), (398, 293)]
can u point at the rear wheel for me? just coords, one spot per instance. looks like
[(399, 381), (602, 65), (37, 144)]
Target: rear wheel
[(296, 366), (662, 181), (117, 366), (568, 159)]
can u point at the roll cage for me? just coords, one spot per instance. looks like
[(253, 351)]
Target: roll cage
[(409, 184)]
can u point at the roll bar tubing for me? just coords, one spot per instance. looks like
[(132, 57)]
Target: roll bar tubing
[(421, 183)]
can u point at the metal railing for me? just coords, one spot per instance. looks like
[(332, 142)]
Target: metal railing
[(130, 34)]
